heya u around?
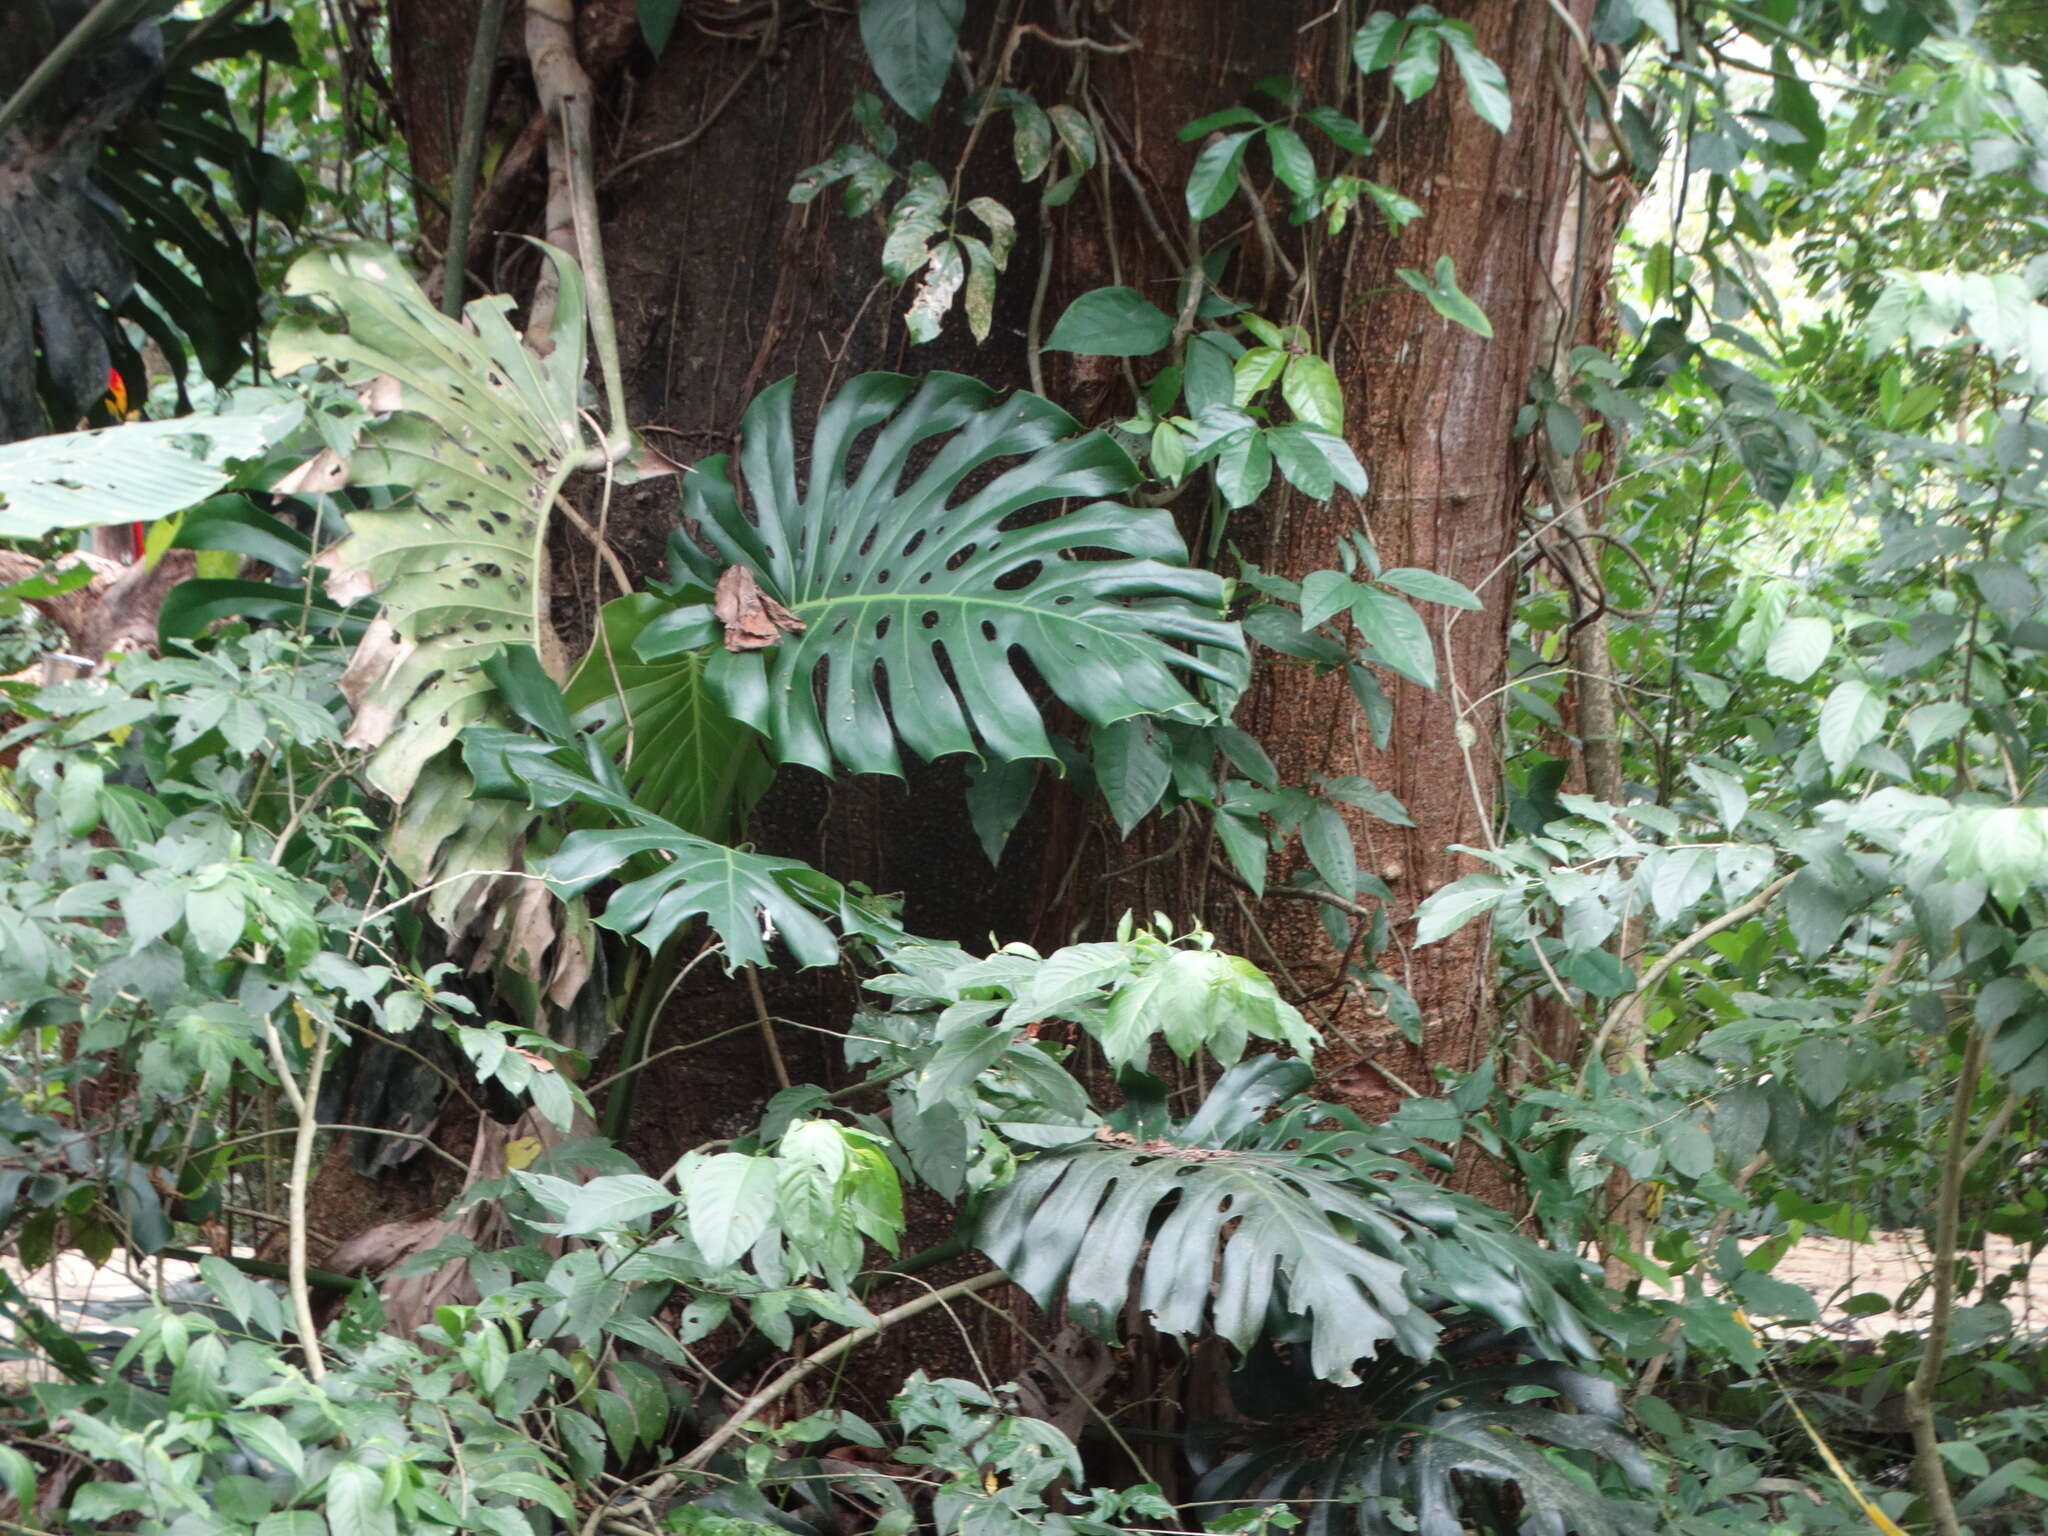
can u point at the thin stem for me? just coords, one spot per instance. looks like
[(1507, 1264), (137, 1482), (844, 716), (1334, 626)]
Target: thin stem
[(476, 106), (1654, 977), (790, 1379), (767, 1023), (604, 334), (1941, 1504)]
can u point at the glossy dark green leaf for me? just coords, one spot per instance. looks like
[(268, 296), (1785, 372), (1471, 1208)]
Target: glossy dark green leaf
[(910, 44), (911, 575)]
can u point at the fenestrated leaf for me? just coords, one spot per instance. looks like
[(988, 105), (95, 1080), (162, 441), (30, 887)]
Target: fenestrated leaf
[(933, 585), (672, 877), (1232, 1216), (482, 437), (1430, 1448), (137, 472), (475, 434)]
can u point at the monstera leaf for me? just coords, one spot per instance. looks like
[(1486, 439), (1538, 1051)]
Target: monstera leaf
[(669, 876), (1426, 1447), (473, 435), (479, 434), (925, 550), (1243, 1222)]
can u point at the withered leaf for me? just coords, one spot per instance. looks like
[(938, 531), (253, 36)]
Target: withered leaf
[(753, 620)]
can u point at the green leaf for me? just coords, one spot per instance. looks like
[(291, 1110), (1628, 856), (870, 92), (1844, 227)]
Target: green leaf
[(890, 570), (1214, 178), (1111, 322), (1324, 595), (612, 1201), (1416, 68), (1301, 460), (657, 22), (917, 218), (356, 1505), (1373, 45), (1347, 1247), (475, 436), (1451, 908), (998, 794), (1432, 588), (1815, 911), (745, 898), (945, 271), (1394, 630), (731, 1201), (1798, 648), (1486, 88), (1966, 1457), (137, 472), (910, 43), (1850, 719), (1326, 839), (1447, 298), (1132, 768), (681, 755), (1312, 392), (1292, 162)]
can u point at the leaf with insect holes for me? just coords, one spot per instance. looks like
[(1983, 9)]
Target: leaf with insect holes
[(944, 273)]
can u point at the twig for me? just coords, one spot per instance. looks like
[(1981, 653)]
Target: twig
[(761, 1017), (306, 1102), (782, 1385), (476, 104), (1654, 977), (717, 110)]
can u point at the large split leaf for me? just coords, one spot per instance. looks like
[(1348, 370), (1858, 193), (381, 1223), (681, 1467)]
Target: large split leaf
[(479, 436), (134, 473), (926, 550), (1233, 1221), (474, 435), (670, 877), (1423, 1446)]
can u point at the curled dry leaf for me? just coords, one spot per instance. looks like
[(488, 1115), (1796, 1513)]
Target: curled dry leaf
[(380, 653), (325, 472), (753, 620)]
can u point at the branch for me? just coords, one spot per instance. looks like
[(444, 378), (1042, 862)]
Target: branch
[(1941, 1506), (781, 1386), (1654, 977)]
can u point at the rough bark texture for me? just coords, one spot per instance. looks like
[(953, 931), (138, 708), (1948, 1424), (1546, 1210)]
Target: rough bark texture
[(723, 286), (1432, 409)]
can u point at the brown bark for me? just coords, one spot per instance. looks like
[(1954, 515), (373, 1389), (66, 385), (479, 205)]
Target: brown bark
[(1431, 412)]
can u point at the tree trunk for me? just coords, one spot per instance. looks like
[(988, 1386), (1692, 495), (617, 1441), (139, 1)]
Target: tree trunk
[(723, 286)]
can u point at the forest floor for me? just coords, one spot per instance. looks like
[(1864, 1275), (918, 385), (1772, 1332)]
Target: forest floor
[(1892, 1265)]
